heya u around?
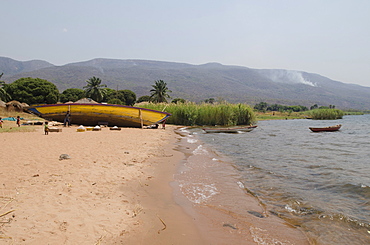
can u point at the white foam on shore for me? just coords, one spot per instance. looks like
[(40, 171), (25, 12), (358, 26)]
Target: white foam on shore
[(198, 192), (184, 130), (200, 150), (241, 185), (190, 139), (262, 237)]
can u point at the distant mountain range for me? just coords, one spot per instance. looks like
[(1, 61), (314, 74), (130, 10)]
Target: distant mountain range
[(198, 82)]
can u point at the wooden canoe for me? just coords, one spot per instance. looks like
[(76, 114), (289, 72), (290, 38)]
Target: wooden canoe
[(230, 130), (326, 129), (89, 114)]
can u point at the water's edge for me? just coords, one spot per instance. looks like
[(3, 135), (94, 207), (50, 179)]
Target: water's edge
[(215, 196)]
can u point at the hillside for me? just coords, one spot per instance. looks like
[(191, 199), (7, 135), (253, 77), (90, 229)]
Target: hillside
[(11, 67), (199, 82)]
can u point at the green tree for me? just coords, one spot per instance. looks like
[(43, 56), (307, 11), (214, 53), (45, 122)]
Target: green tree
[(94, 89), (127, 97), (315, 106), (210, 100), (33, 91), (3, 94), (112, 94), (144, 98), (130, 97), (115, 101), (72, 94), (262, 106), (178, 100), (160, 91)]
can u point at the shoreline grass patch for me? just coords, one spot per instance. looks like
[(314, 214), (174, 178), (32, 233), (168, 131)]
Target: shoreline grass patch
[(192, 114), (326, 114)]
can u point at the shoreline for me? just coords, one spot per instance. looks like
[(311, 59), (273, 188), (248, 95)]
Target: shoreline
[(220, 205), (117, 187)]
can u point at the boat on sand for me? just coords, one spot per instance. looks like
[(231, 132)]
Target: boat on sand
[(326, 129), (91, 114), (230, 130)]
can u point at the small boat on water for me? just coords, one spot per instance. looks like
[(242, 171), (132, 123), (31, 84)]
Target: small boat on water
[(230, 130), (326, 129), (91, 114)]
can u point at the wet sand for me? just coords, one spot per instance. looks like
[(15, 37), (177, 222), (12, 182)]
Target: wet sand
[(117, 187), (220, 205)]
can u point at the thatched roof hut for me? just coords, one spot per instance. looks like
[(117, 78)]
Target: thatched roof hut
[(2, 104), (14, 106)]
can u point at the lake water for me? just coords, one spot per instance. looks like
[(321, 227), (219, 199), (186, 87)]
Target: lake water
[(319, 182)]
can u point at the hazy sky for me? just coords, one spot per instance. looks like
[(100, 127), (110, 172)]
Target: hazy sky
[(328, 37)]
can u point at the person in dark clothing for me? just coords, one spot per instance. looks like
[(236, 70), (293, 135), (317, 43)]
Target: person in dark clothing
[(67, 119), (18, 121)]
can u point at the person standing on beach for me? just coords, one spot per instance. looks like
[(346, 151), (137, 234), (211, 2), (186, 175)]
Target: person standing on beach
[(46, 128), (67, 119), (164, 124), (1, 122), (18, 121)]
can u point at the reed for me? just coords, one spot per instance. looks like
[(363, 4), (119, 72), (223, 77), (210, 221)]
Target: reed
[(326, 114), (192, 114)]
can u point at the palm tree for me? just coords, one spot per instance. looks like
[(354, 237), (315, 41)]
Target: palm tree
[(3, 94), (94, 89), (159, 92)]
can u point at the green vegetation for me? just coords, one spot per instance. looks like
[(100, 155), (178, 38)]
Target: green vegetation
[(115, 101), (279, 115), (191, 114), (95, 90), (263, 107), (292, 112), (159, 93), (4, 96), (354, 113), (33, 91), (178, 100), (120, 97), (144, 98), (72, 94), (210, 100), (325, 114), (130, 97)]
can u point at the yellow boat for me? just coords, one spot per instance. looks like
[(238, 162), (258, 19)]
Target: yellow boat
[(89, 114)]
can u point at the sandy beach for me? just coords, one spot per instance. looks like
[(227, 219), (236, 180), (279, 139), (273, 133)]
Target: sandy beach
[(114, 187)]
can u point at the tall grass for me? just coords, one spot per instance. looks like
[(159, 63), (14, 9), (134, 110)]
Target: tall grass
[(326, 114), (191, 114)]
